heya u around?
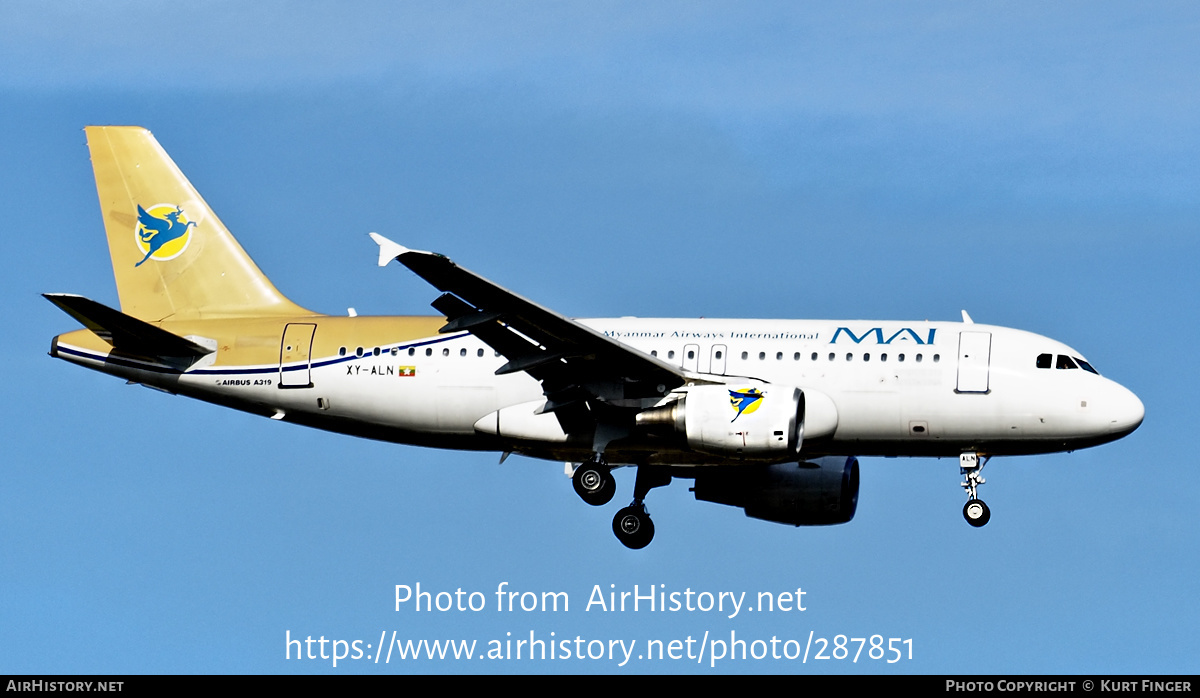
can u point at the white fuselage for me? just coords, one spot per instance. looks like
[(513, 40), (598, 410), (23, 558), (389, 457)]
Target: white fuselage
[(896, 388)]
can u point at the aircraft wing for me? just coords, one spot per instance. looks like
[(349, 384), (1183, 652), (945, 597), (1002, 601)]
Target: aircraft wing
[(573, 362)]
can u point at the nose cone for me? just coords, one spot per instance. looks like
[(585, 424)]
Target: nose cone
[(1126, 412)]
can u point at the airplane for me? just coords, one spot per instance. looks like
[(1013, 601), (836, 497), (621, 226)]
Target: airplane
[(767, 415)]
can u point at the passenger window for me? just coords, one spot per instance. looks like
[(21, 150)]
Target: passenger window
[(900, 358), (1044, 360), (814, 356), (883, 357), (919, 357), (341, 351), (778, 356), (375, 351), (1064, 361), (866, 357), (395, 351), (796, 357), (358, 351), (654, 352), (691, 354), (720, 354), (428, 351), (762, 355), (670, 354), (462, 352), (446, 351), (849, 356), (745, 355), (479, 353), (412, 351), (937, 358), (831, 355)]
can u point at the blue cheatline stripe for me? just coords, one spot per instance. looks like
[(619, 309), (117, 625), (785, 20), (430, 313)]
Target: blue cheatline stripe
[(160, 368)]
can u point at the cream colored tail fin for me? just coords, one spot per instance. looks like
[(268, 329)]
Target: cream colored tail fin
[(172, 257)]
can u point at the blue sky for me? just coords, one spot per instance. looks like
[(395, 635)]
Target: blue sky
[(1038, 166)]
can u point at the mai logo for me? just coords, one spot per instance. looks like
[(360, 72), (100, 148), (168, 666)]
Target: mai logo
[(745, 401), (163, 232), (904, 334)]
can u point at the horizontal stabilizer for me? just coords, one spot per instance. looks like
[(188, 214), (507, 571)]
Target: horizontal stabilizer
[(125, 332)]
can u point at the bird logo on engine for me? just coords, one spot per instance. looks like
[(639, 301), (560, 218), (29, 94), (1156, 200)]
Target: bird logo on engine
[(745, 401)]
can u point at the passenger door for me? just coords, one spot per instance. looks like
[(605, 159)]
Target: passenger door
[(974, 359), (296, 348)]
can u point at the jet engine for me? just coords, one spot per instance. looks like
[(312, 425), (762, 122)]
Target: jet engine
[(746, 421), (815, 492)]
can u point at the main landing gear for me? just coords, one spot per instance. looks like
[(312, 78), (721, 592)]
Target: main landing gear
[(594, 483), (974, 511), (632, 525)]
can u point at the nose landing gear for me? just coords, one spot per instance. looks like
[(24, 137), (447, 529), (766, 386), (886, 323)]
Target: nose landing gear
[(974, 511)]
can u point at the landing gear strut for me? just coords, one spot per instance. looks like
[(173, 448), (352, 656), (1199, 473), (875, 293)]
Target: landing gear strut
[(632, 525), (974, 511), (594, 482)]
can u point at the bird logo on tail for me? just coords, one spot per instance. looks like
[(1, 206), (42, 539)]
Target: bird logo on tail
[(163, 232)]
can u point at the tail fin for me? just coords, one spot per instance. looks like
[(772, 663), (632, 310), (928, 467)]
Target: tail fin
[(172, 257)]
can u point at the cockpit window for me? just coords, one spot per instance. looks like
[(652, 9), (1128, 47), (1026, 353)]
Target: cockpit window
[(1065, 361)]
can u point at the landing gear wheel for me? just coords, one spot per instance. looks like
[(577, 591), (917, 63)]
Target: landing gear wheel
[(633, 527), (594, 483), (970, 466), (976, 512)]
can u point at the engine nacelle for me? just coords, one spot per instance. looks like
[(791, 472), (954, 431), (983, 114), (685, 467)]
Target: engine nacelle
[(817, 492), (745, 421)]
